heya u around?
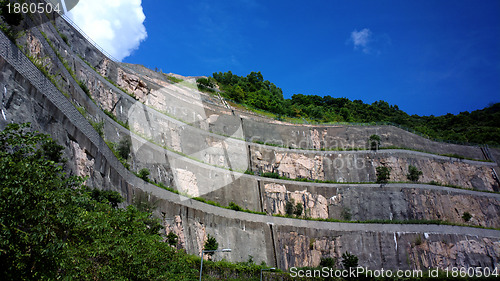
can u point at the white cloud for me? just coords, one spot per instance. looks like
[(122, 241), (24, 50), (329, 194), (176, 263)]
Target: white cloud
[(115, 25), (360, 39)]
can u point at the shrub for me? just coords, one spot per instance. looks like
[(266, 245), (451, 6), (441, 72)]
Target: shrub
[(346, 214), (271, 175), (418, 240), (327, 262), (289, 208), (298, 209), (413, 173), (144, 174), (173, 79), (211, 244), (383, 174), (84, 88), (99, 127), (172, 238), (374, 142), (466, 216), (349, 260), (234, 206), (311, 243), (64, 38), (123, 148)]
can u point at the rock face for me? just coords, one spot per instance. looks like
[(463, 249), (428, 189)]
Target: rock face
[(84, 162), (187, 183), (133, 84), (315, 206), (301, 250), (425, 250), (444, 254), (197, 145), (453, 172), (360, 166), (290, 165), (392, 202), (345, 137), (451, 207)]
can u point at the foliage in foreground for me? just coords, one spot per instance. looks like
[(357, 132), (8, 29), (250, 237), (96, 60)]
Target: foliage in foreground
[(52, 226)]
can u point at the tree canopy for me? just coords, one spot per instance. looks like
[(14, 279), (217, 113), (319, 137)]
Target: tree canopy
[(479, 126), (53, 227)]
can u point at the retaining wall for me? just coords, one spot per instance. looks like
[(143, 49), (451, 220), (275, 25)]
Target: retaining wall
[(270, 239)]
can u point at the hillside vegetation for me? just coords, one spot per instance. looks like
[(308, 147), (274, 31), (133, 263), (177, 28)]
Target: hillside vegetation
[(53, 227), (479, 127)]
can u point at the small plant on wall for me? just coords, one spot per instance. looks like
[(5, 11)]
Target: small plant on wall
[(413, 173), (466, 216), (374, 142), (383, 174)]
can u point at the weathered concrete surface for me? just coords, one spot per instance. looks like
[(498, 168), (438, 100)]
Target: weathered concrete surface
[(40, 102)]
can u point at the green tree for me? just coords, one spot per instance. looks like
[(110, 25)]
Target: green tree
[(413, 173), (349, 260), (34, 193), (466, 216), (144, 174), (327, 262), (123, 148), (52, 227), (383, 174), (289, 208), (299, 208), (106, 196), (211, 244), (172, 238), (374, 142)]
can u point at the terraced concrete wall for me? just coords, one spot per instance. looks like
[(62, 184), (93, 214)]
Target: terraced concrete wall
[(154, 91), (270, 239), (360, 166), (227, 151), (341, 136), (382, 202), (181, 138)]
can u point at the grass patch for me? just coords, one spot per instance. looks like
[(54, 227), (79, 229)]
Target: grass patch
[(112, 116), (113, 146), (173, 79), (82, 110), (99, 127)]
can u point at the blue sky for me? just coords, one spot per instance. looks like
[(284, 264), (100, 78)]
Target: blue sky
[(428, 57)]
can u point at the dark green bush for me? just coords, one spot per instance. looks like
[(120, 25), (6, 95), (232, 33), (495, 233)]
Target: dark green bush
[(234, 206), (466, 216), (271, 175), (383, 174), (349, 260), (144, 174), (413, 173)]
